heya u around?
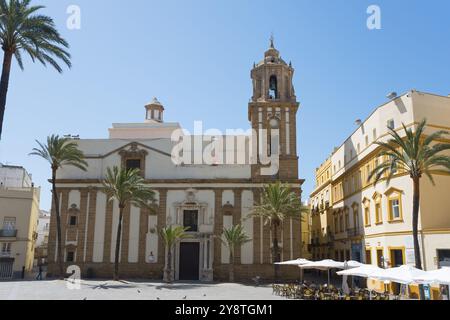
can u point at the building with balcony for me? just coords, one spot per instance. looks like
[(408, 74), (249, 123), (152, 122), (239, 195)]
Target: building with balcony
[(372, 223), (322, 232), (19, 210)]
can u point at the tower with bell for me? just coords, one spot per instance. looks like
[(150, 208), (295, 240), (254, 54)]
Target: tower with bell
[(274, 106)]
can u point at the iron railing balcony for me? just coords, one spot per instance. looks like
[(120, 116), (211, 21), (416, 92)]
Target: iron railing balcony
[(8, 233)]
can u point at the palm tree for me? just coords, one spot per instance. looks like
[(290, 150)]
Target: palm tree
[(127, 187), (60, 152), (278, 203), (417, 156), (233, 237), (22, 30), (171, 235)]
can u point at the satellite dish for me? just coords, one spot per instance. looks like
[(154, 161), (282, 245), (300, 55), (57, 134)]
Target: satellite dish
[(358, 122)]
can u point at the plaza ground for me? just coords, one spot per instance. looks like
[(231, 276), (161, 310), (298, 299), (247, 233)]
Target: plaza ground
[(132, 290)]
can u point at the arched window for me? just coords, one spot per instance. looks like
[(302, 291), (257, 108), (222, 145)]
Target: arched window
[(273, 136), (273, 87)]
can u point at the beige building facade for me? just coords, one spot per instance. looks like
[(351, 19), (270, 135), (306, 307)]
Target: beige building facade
[(206, 196), (373, 223), (19, 210), (41, 247)]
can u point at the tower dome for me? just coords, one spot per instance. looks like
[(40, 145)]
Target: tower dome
[(154, 111), (272, 78)]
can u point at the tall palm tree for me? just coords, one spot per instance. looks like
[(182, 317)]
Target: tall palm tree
[(171, 235), (23, 30), (127, 187), (417, 155), (234, 237), (60, 152), (278, 203)]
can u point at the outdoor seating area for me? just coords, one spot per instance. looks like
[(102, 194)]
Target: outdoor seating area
[(312, 292), (403, 275)]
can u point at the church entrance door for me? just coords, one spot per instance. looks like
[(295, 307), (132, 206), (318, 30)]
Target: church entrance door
[(189, 261)]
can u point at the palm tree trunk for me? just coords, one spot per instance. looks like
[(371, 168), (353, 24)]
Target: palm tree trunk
[(169, 265), (119, 234), (60, 259), (4, 84), (231, 266), (276, 252), (416, 203)]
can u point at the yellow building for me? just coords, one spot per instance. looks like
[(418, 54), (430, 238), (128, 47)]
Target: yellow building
[(19, 211), (320, 200), (373, 223), (306, 236)]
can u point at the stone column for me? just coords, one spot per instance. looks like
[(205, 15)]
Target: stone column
[(161, 224), (82, 220), (91, 224), (237, 216), (125, 235), (64, 209), (286, 239), (108, 232), (257, 236), (143, 230), (218, 227)]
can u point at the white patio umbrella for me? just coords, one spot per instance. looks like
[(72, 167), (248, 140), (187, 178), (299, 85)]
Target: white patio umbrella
[(404, 274), (298, 262), (441, 276), (365, 271), (353, 264), (325, 265)]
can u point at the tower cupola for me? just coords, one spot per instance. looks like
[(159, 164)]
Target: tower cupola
[(272, 78), (154, 111)]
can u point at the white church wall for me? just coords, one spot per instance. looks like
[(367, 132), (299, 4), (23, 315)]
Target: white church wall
[(133, 244), (225, 255), (247, 223), (228, 197), (99, 228)]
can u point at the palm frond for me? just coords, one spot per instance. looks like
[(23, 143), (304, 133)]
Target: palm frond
[(234, 237), (278, 203), (127, 187), (23, 29), (414, 154), (60, 152)]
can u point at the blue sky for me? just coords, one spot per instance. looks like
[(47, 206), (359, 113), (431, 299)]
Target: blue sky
[(196, 56)]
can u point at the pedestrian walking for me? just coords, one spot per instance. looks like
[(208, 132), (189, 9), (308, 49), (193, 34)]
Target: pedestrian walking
[(39, 276)]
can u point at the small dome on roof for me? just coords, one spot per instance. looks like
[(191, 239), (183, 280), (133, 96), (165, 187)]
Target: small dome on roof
[(155, 101)]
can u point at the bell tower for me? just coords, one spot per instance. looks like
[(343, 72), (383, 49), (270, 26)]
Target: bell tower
[(272, 112)]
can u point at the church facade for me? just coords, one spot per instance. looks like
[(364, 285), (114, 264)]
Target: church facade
[(207, 197)]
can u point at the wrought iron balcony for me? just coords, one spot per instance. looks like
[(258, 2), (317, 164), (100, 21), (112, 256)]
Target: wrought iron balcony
[(8, 233)]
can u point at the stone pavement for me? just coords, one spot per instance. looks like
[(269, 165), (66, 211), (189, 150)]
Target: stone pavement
[(132, 290)]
